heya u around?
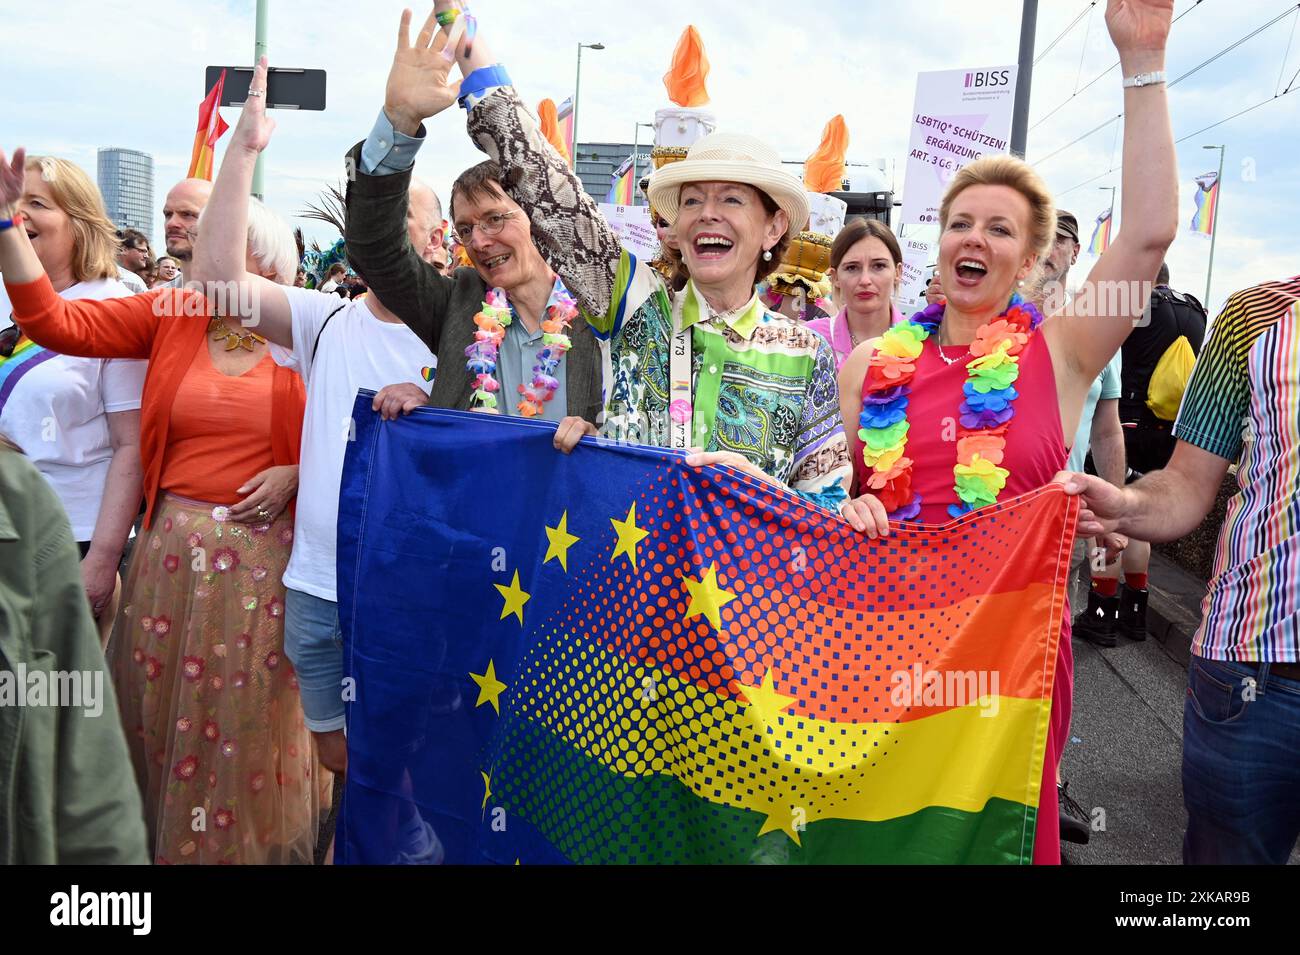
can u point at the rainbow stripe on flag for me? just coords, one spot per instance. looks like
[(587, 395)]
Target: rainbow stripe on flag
[(1101, 233), (622, 191), (640, 662), (1207, 203)]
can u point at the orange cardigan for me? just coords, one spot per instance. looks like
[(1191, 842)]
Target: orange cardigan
[(165, 326)]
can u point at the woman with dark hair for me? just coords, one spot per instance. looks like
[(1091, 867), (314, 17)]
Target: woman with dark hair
[(866, 269)]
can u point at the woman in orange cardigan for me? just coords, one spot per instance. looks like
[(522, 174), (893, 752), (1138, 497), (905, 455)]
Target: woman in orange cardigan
[(209, 704)]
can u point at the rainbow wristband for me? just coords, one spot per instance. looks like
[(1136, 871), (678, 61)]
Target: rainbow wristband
[(447, 17)]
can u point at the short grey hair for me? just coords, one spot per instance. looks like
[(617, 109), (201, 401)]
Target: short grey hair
[(271, 242)]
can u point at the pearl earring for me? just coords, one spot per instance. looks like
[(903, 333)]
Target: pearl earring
[(767, 256)]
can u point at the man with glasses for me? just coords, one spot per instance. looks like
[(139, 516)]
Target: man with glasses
[(440, 308), (133, 259)]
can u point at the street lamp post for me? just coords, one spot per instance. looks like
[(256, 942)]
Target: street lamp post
[(577, 85), (259, 50)]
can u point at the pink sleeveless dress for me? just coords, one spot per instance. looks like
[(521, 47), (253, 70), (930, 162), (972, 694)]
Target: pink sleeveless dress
[(1035, 453)]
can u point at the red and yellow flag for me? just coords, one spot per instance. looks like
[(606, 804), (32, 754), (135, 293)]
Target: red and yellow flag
[(211, 128)]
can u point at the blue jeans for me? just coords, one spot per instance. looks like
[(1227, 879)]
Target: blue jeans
[(314, 644), (1241, 764)]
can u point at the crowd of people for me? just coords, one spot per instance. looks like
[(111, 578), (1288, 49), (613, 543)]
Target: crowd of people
[(213, 403)]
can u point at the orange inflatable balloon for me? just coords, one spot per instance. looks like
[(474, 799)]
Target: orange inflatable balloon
[(685, 80), (824, 171), (547, 113)]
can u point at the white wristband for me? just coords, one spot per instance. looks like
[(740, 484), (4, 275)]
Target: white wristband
[(1144, 79)]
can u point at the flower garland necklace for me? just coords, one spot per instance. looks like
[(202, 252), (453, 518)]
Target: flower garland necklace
[(481, 357), (986, 410)]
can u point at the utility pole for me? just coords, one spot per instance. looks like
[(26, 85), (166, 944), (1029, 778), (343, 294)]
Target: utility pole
[(1024, 78), (259, 50)]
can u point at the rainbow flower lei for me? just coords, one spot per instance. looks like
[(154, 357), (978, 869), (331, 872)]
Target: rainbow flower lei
[(985, 412), (481, 357)]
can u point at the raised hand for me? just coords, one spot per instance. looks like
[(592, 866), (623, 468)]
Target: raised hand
[(1139, 26), (417, 83), (12, 176), (255, 127)]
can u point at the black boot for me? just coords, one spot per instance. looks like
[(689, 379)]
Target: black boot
[(1097, 623), (1133, 613), (1075, 825)]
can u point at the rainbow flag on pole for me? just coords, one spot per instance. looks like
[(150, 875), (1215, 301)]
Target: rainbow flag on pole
[(623, 189), (211, 128), (641, 662), (1207, 203), (1101, 233)]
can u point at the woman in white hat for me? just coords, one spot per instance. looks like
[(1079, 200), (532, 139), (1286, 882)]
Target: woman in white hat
[(707, 368)]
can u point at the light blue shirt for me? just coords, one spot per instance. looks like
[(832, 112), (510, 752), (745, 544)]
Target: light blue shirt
[(1107, 385), (387, 151)]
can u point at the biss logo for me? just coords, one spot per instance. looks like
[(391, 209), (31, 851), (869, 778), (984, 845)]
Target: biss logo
[(987, 78)]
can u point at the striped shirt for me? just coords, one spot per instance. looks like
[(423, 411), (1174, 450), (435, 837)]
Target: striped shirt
[(1243, 404)]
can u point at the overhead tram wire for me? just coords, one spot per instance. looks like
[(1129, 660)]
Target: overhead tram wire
[(1204, 129), (1287, 55), (1172, 83), (1061, 36), (1087, 85)]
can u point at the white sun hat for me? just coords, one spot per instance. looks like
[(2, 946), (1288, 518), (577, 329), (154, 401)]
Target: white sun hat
[(731, 157)]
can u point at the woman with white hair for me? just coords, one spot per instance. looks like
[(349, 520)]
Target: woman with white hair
[(209, 704)]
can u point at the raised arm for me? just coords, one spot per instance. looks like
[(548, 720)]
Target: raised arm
[(221, 250), (379, 178), (1094, 325), (112, 328), (567, 226)]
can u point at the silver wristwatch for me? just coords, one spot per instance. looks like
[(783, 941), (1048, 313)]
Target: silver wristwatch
[(1144, 79)]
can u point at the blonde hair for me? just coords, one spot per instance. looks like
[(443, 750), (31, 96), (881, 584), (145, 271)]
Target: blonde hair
[(94, 237), (1015, 174)]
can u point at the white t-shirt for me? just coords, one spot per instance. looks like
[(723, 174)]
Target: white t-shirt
[(56, 407), (133, 282), (356, 350)]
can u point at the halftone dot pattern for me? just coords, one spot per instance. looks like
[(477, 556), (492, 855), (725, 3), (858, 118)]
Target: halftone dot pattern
[(833, 616), (620, 676)]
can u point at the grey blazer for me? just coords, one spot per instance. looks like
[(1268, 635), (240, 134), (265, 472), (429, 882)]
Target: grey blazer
[(441, 309)]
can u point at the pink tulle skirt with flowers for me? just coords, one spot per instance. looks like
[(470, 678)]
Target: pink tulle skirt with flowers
[(209, 701)]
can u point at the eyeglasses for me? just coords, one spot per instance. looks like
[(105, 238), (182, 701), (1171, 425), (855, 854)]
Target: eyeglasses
[(491, 225)]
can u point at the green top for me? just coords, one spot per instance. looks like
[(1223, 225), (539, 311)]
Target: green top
[(67, 791)]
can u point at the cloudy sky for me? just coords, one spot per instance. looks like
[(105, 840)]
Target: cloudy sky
[(107, 73)]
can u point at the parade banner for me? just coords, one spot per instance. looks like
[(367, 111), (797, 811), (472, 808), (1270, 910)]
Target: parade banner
[(957, 117), (634, 229), (609, 657)]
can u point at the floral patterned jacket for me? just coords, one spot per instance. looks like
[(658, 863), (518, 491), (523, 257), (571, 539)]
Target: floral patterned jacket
[(762, 385)]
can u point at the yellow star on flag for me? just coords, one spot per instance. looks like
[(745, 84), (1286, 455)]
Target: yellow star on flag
[(765, 703), (489, 687), (629, 535), (707, 597), (560, 540), (781, 821), (487, 789), (515, 599)]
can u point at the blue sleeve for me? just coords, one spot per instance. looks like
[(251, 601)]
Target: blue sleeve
[(832, 498), (1111, 378), (387, 151)]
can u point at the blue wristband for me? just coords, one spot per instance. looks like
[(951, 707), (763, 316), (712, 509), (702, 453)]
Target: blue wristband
[(484, 78)]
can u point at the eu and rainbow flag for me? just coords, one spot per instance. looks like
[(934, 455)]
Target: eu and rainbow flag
[(1207, 203), (211, 128), (609, 657)]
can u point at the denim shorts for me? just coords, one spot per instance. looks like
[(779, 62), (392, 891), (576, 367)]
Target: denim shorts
[(314, 644)]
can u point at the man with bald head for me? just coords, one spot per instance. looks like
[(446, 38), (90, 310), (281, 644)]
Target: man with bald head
[(181, 211)]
